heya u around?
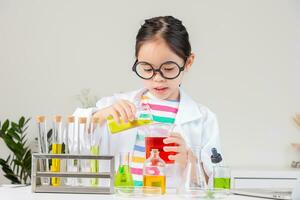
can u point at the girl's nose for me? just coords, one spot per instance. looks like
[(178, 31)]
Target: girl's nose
[(157, 77)]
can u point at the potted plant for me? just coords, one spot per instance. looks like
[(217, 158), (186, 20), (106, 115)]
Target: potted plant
[(17, 166)]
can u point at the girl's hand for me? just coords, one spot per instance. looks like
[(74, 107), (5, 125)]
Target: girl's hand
[(181, 157), (122, 109)]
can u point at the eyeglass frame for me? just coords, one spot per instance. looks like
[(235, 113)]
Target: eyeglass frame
[(158, 70)]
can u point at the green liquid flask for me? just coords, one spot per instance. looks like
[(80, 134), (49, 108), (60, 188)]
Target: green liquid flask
[(123, 176)]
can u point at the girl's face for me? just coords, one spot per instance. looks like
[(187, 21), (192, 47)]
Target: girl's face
[(157, 52)]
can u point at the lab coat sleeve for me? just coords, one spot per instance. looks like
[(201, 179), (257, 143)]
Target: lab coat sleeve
[(88, 112), (210, 139), (105, 102)]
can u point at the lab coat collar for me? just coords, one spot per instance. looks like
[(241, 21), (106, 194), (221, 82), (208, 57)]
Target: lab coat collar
[(188, 109)]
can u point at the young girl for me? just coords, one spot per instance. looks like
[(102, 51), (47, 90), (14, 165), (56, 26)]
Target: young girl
[(163, 56)]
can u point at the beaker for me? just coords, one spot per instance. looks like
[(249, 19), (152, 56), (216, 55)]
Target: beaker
[(221, 176), (155, 134), (123, 176), (142, 117), (193, 177)]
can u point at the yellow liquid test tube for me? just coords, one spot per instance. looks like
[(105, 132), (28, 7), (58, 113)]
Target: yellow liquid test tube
[(114, 127), (56, 148)]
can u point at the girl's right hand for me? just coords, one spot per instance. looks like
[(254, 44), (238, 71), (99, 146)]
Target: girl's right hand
[(122, 109)]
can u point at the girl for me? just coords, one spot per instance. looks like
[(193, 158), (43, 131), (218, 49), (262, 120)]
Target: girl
[(163, 56)]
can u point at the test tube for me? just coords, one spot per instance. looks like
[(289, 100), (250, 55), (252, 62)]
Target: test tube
[(82, 140), (56, 148), (43, 147), (72, 148), (95, 141)]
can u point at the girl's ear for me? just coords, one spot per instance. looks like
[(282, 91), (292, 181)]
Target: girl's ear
[(189, 62)]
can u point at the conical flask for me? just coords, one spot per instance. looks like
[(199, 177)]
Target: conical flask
[(193, 176), (123, 176)]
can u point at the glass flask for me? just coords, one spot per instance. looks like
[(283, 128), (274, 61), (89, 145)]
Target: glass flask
[(143, 117), (154, 171), (123, 176), (193, 176)]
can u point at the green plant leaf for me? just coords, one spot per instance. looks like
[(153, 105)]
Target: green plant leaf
[(13, 178), (49, 134), (13, 134), (15, 127), (16, 168), (11, 145), (5, 126), (2, 162), (8, 171), (21, 121), (18, 162)]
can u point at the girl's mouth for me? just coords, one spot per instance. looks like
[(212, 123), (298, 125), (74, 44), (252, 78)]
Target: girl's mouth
[(160, 89)]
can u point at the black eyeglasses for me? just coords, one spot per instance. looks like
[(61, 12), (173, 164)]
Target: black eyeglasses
[(168, 70)]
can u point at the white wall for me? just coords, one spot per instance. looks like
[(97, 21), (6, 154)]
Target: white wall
[(246, 69)]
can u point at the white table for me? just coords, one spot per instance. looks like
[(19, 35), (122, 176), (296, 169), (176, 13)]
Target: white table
[(24, 193)]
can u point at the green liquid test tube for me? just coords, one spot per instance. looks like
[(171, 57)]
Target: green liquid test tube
[(94, 164)]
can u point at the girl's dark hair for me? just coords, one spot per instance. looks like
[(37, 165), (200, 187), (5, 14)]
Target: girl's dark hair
[(170, 29)]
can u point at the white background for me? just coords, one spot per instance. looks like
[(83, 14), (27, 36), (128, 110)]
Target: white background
[(247, 67)]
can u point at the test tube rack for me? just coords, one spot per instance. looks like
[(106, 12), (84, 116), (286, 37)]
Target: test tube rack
[(37, 174)]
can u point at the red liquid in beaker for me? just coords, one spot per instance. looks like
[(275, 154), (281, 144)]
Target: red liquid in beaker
[(157, 143)]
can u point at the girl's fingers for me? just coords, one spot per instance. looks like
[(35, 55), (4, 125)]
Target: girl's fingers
[(121, 111), (176, 149), (175, 140), (128, 110), (175, 134), (175, 157), (132, 107), (115, 115)]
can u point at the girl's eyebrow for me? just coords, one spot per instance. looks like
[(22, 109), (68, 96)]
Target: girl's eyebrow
[(142, 61)]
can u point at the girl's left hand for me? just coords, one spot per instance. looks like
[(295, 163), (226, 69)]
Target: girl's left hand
[(181, 157)]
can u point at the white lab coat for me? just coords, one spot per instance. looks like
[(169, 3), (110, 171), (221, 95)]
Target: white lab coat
[(196, 123)]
